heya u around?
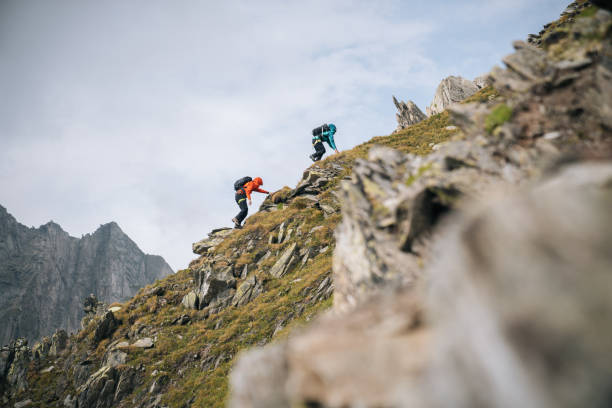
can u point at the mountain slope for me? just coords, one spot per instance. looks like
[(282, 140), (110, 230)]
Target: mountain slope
[(45, 274), (253, 294), (178, 340)]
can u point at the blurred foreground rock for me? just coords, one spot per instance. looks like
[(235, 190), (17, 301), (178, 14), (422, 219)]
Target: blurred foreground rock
[(514, 315)]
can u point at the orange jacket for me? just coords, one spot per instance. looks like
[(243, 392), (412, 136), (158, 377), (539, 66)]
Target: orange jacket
[(254, 186)]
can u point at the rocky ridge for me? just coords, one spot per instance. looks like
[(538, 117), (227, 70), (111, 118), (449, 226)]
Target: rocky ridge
[(45, 274)]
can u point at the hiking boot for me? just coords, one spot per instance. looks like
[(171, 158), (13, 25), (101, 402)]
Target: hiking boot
[(236, 223), (312, 158)]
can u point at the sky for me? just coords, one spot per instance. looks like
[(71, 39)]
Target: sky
[(145, 112)]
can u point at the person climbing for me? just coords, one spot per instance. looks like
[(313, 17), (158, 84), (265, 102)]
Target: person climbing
[(324, 133), (243, 188)]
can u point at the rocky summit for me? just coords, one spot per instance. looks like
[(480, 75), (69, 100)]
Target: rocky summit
[(407, 114), (461, 261), (451, 90), (45, 274)]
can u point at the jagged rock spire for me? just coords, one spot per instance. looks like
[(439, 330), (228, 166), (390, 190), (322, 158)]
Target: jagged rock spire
[(408, 114)]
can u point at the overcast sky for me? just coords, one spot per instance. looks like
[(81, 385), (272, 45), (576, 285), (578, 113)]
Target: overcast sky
[(144, 112)]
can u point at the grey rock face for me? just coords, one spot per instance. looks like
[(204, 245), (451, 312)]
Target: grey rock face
[(408, 113), (59, 342), (190, 300), (215, 237), (248, 290), (45, 274), (285, 262), (106, 387), (14, 361), (146, 342), (540, 314), (105, 327), (451, 90), (215, 287)]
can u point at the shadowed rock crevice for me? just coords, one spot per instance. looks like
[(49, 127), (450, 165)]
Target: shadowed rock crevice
[(428, 208)]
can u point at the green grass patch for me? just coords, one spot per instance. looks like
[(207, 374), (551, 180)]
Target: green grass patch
[(485, 94), (588, 12), (499, 115)]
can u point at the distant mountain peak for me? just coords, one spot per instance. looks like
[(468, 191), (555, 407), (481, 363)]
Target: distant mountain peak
[(62, 270)]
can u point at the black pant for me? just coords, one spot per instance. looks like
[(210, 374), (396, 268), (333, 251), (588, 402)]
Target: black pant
[(242, 203), (320, 149)]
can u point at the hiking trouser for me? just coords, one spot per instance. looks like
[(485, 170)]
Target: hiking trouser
[(320, 149), (241, 200)]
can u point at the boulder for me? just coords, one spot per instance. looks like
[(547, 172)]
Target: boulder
[(327, 209), (59, 342), (408, 113), (23, 404), (215, 285), (105, 327), (248, 290), (159, 383), (128, 380), (285, 262), (114, 358), (40, 350), (145, 343), (451, 90), (106, 387), (99, 390), (214, 238), (90, 304), (190, 300), (281, 232)]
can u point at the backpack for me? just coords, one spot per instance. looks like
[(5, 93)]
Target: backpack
[(319, 130), (238, 184)]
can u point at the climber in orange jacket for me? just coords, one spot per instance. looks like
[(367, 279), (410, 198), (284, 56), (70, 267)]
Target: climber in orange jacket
[(243, 188)]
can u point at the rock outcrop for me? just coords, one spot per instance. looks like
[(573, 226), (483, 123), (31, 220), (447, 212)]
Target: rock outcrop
[(45, 274), (408, 113), (215, 237), (451, 90), (483, 81)]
